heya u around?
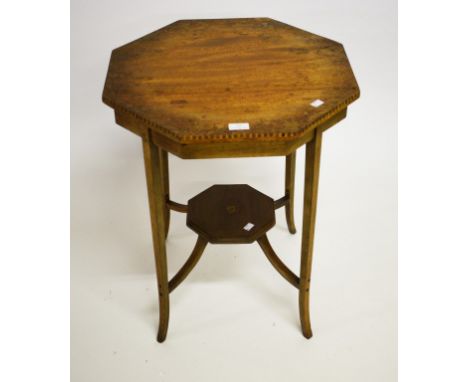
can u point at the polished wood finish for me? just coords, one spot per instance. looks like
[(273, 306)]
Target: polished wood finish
[(194, 77), (157, 203), (311, 178), (174, 206), (289, 190), (221, 213), (165, 176), (276, 261), (188, 266), (281, 202), (180, 87)]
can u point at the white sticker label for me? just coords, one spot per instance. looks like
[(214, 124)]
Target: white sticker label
[(317, 103), (239, 126), (248, 226)]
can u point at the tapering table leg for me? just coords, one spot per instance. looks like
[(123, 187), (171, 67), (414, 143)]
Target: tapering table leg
[(157, 203), (165, 175), (289, 190), (312, 164)]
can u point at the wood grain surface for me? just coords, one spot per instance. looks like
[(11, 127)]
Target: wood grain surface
[(190, 79), (231, 214)]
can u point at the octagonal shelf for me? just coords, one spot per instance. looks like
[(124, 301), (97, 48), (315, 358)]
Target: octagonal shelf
[(231, 213)]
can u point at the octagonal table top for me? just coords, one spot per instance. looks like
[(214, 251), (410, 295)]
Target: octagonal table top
[(220, 85)]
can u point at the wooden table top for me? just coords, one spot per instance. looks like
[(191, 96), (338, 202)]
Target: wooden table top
[(192, 81)]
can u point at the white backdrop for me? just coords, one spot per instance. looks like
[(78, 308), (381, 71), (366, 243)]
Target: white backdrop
[(234, 318)]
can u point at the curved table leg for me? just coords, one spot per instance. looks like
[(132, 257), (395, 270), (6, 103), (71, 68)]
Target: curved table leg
[(189, 264), (289, 190), (157, 203), (308, 226), (276, 261)]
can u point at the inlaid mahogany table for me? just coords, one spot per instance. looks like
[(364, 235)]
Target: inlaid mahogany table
[(223, 89)]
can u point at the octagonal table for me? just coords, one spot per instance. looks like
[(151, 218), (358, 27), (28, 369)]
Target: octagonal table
[(230, 88)]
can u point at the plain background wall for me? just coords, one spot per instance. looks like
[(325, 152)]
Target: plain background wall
[(234, 318)]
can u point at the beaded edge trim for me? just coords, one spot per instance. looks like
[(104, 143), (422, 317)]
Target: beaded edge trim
[(231, 136)]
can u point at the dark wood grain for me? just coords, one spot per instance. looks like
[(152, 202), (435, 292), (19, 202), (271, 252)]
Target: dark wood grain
[(281, 202), (221, 212)]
